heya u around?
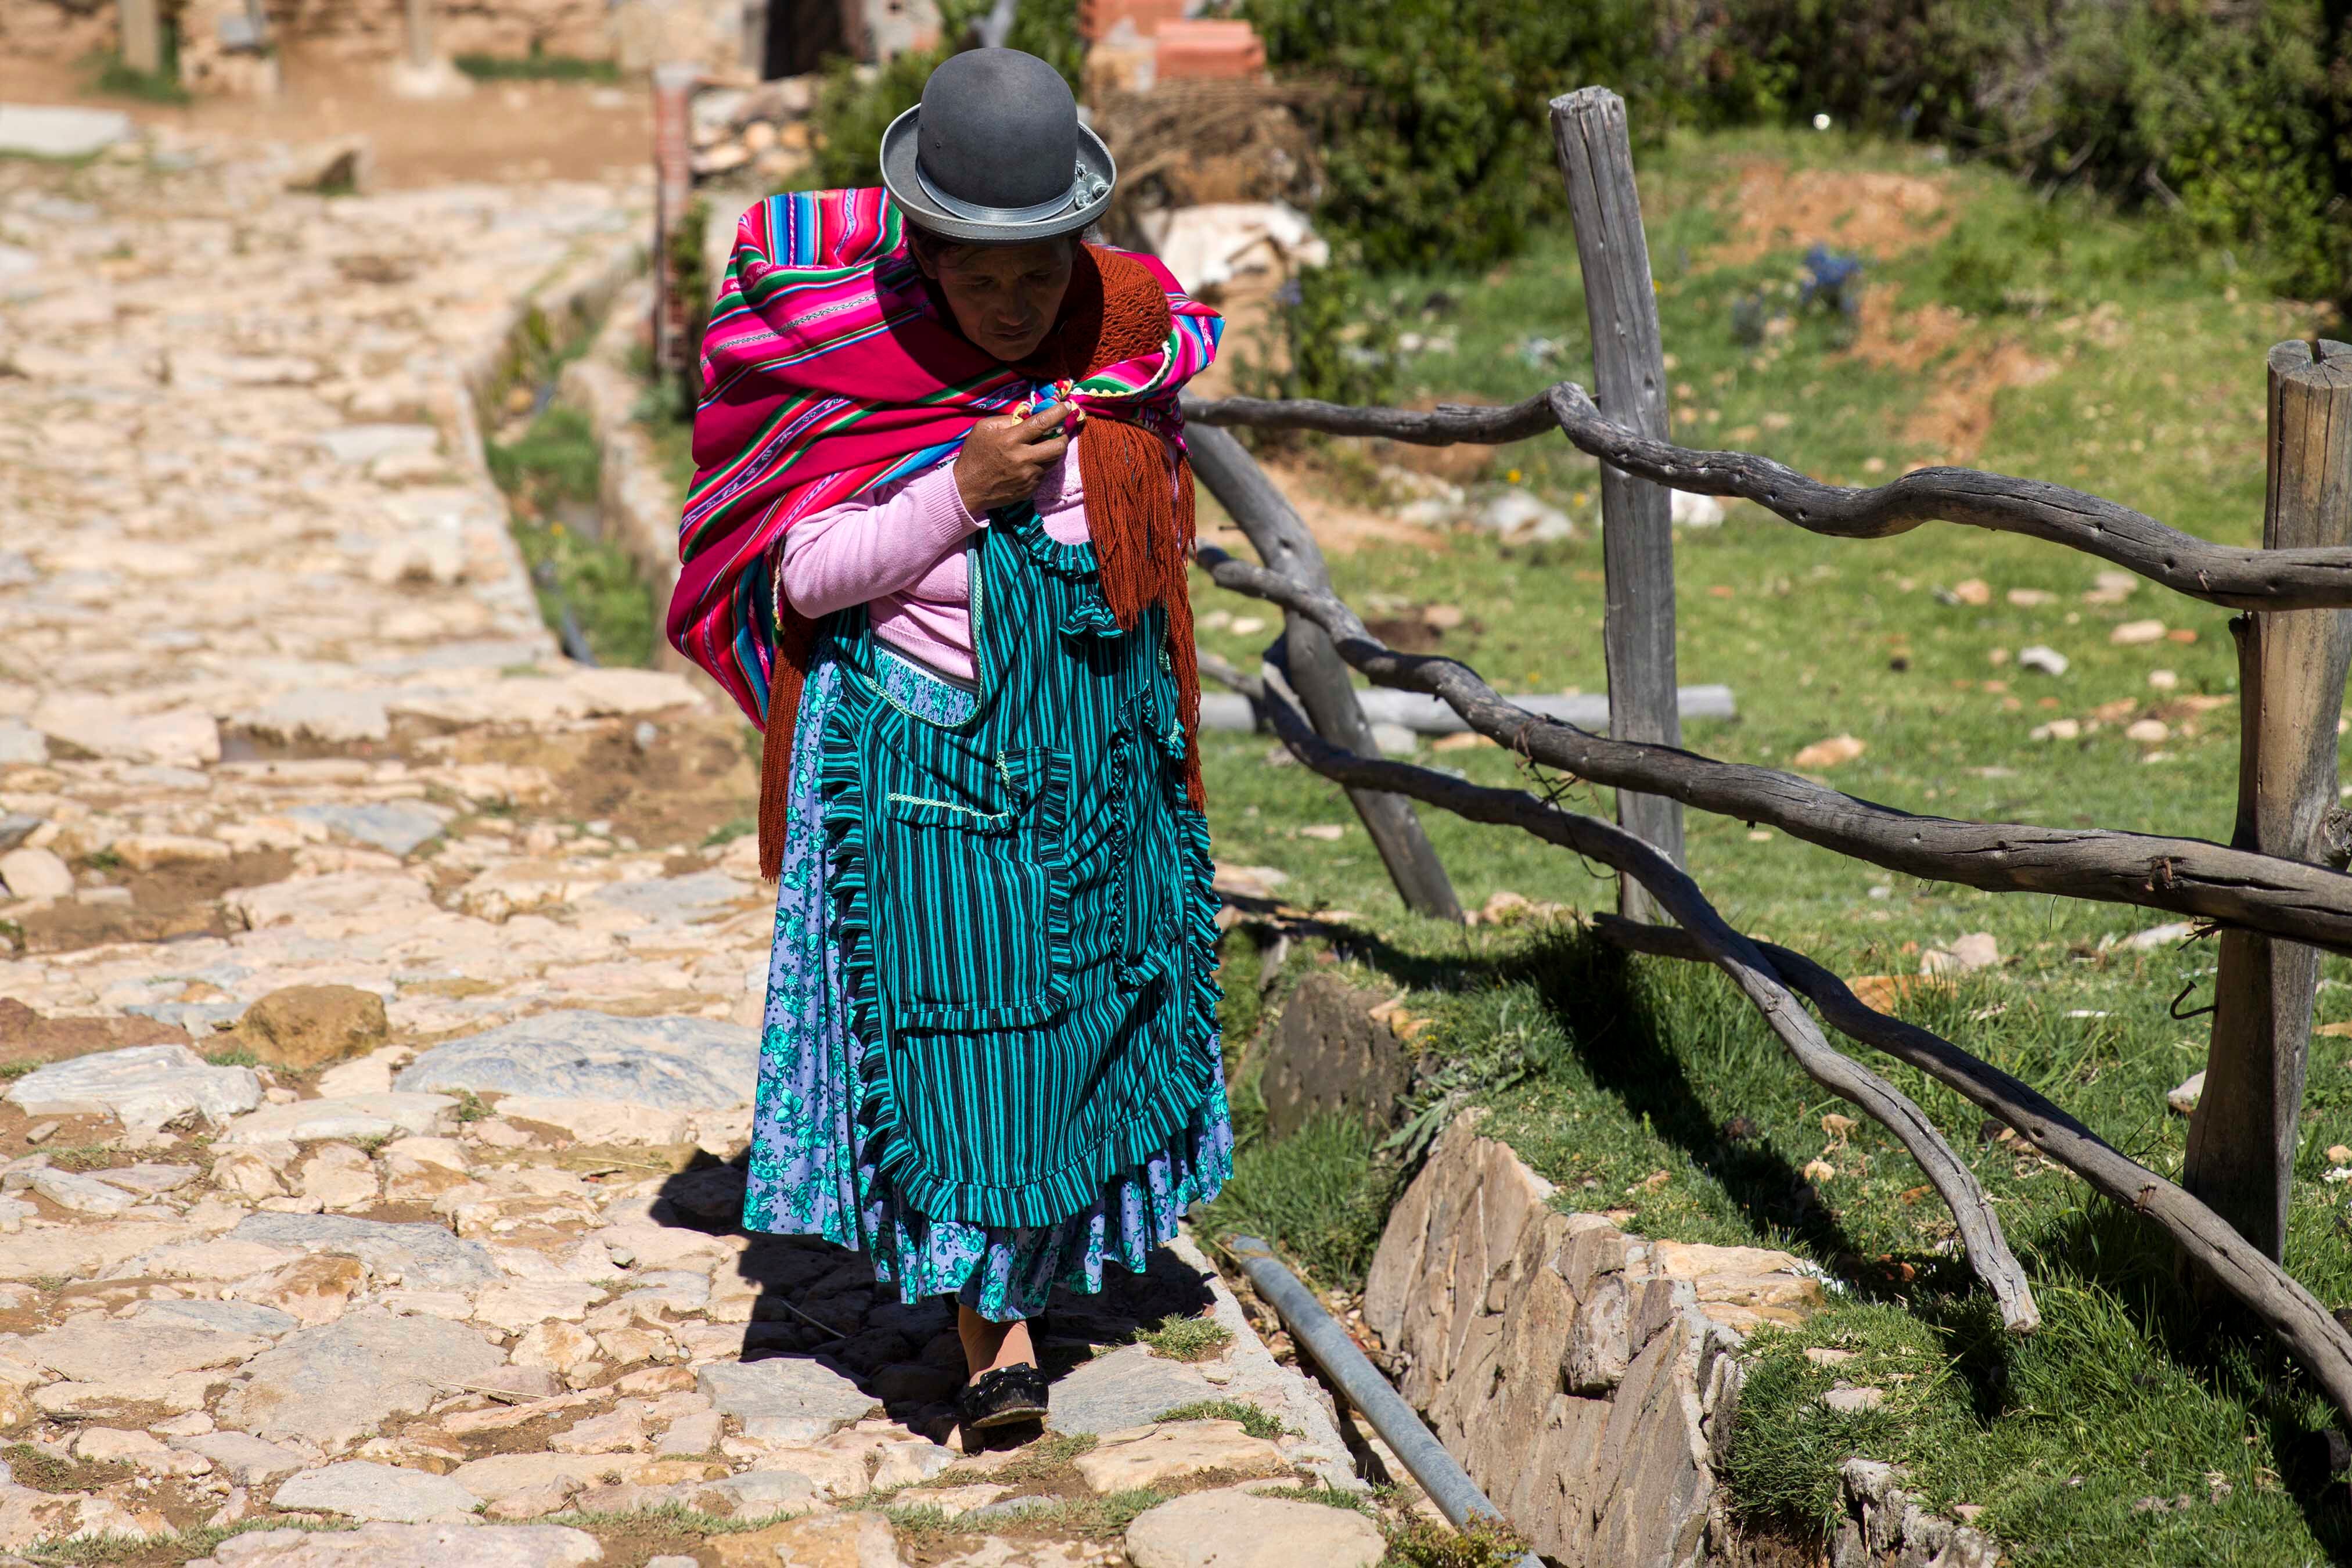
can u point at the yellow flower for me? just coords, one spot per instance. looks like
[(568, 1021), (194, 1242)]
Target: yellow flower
[(1513, 475)]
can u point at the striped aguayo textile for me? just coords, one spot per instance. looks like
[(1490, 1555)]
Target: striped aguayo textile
[(827, 369)]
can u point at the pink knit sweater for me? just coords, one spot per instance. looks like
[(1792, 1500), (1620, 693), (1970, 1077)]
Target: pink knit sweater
[(899, 550)]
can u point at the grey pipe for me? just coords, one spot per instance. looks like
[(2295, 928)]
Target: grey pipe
[(1448, 1484)]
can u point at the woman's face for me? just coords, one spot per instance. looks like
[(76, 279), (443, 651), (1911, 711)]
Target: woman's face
[(1004, 297)]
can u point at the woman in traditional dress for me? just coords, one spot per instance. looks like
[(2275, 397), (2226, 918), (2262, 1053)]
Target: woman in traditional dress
[(937, 544)]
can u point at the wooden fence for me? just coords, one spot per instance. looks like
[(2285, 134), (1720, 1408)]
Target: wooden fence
[(2276, 891)]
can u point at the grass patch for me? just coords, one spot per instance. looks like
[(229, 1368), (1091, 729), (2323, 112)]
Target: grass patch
[(1317, 1196), (730, 831), (536, 67), (45, 1471), (549, 475), (1187, 1338), (1425, 1543), (83, 1156), (471, 1107), (108, 76), (1254, 1420), (918, 1525), (1651, 1090), (17, 1070), (1115, 1512), (161, 1552), (1046, 1457), (233, 1056)]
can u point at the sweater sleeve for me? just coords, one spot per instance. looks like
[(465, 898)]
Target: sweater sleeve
[(887, 541)]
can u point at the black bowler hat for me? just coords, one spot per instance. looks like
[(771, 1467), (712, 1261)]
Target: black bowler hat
[(994, 153)]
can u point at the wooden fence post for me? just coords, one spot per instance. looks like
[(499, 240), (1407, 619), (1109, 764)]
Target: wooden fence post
[(1629, 382), (419, 26), (142, 26), (1316, 671), (2291, 671), (674, 85)]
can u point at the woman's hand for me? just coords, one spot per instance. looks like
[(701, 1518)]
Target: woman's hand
[(1004, 459)]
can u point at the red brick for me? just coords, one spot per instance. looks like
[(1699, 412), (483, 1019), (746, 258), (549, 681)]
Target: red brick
[(1209, 49), (1096, 17)]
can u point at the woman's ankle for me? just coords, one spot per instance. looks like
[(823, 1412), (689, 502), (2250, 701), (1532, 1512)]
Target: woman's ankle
[(989, 1346)]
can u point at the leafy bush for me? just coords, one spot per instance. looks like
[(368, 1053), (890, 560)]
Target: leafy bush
[(855, 104), (2229, 122), (1328, 337), (1438, 150)]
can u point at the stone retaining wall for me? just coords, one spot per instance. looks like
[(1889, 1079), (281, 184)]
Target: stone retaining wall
[(1585, 1378)]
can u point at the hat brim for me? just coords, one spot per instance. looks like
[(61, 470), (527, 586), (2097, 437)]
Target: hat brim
[(907, 191)]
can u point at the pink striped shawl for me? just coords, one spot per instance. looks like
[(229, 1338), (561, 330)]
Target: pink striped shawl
[(826, 369)]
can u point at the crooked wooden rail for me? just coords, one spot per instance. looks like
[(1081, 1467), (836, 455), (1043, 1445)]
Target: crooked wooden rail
[(2267, 889)]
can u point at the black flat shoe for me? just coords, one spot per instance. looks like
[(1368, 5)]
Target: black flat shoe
[(1000, 1398)]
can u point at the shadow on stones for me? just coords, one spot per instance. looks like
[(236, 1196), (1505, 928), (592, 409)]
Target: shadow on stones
[(813, 1300)]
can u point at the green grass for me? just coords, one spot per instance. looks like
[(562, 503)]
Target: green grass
[(1651, 1088), (1254, 1420), (536, 67), (1187, 1338), (233, 1056), (550, 472)]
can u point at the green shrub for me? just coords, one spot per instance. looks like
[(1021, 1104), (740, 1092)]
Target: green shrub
[(1437, 148), (854, 104), (2223, 121), (1337, 340)]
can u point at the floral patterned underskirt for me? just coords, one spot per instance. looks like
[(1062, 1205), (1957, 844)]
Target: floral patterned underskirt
[(808, 1176)]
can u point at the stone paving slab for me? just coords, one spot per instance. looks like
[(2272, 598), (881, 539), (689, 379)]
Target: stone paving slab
[(277, 712)]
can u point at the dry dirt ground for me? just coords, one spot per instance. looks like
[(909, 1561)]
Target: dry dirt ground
[(503, 131)]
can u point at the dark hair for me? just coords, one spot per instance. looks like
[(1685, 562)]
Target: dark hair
[(937, 247)]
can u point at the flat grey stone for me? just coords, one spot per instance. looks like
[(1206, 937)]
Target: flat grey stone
[(21, 745), (388, 1545), (361, 1488), (148, 1178), (224, 1317), (329, 1385), (198, 1018), (754, 1494), (670, 1064), (107, 1349), (16, 826), (52, 131), (244, 1459), (83, 1194), (1229, 1528), (345, 1118), (144, 1085), (1008, 1509), (424, 1256), (366, 443), (395, 826), (786, 1399), (1127, 1387), (675, 900)]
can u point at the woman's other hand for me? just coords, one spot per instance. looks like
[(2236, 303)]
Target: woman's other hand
[(1004, 459)]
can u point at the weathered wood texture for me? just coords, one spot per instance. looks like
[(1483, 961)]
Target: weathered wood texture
[(142, 26), (2320, 1343), (1629, 377), (1680, 900), (2235, 578), (2184, 876), (2291, 669), (1315, 668), (419, 26)]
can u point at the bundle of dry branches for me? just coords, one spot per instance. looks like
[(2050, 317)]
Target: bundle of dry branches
[(1185, 143)]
